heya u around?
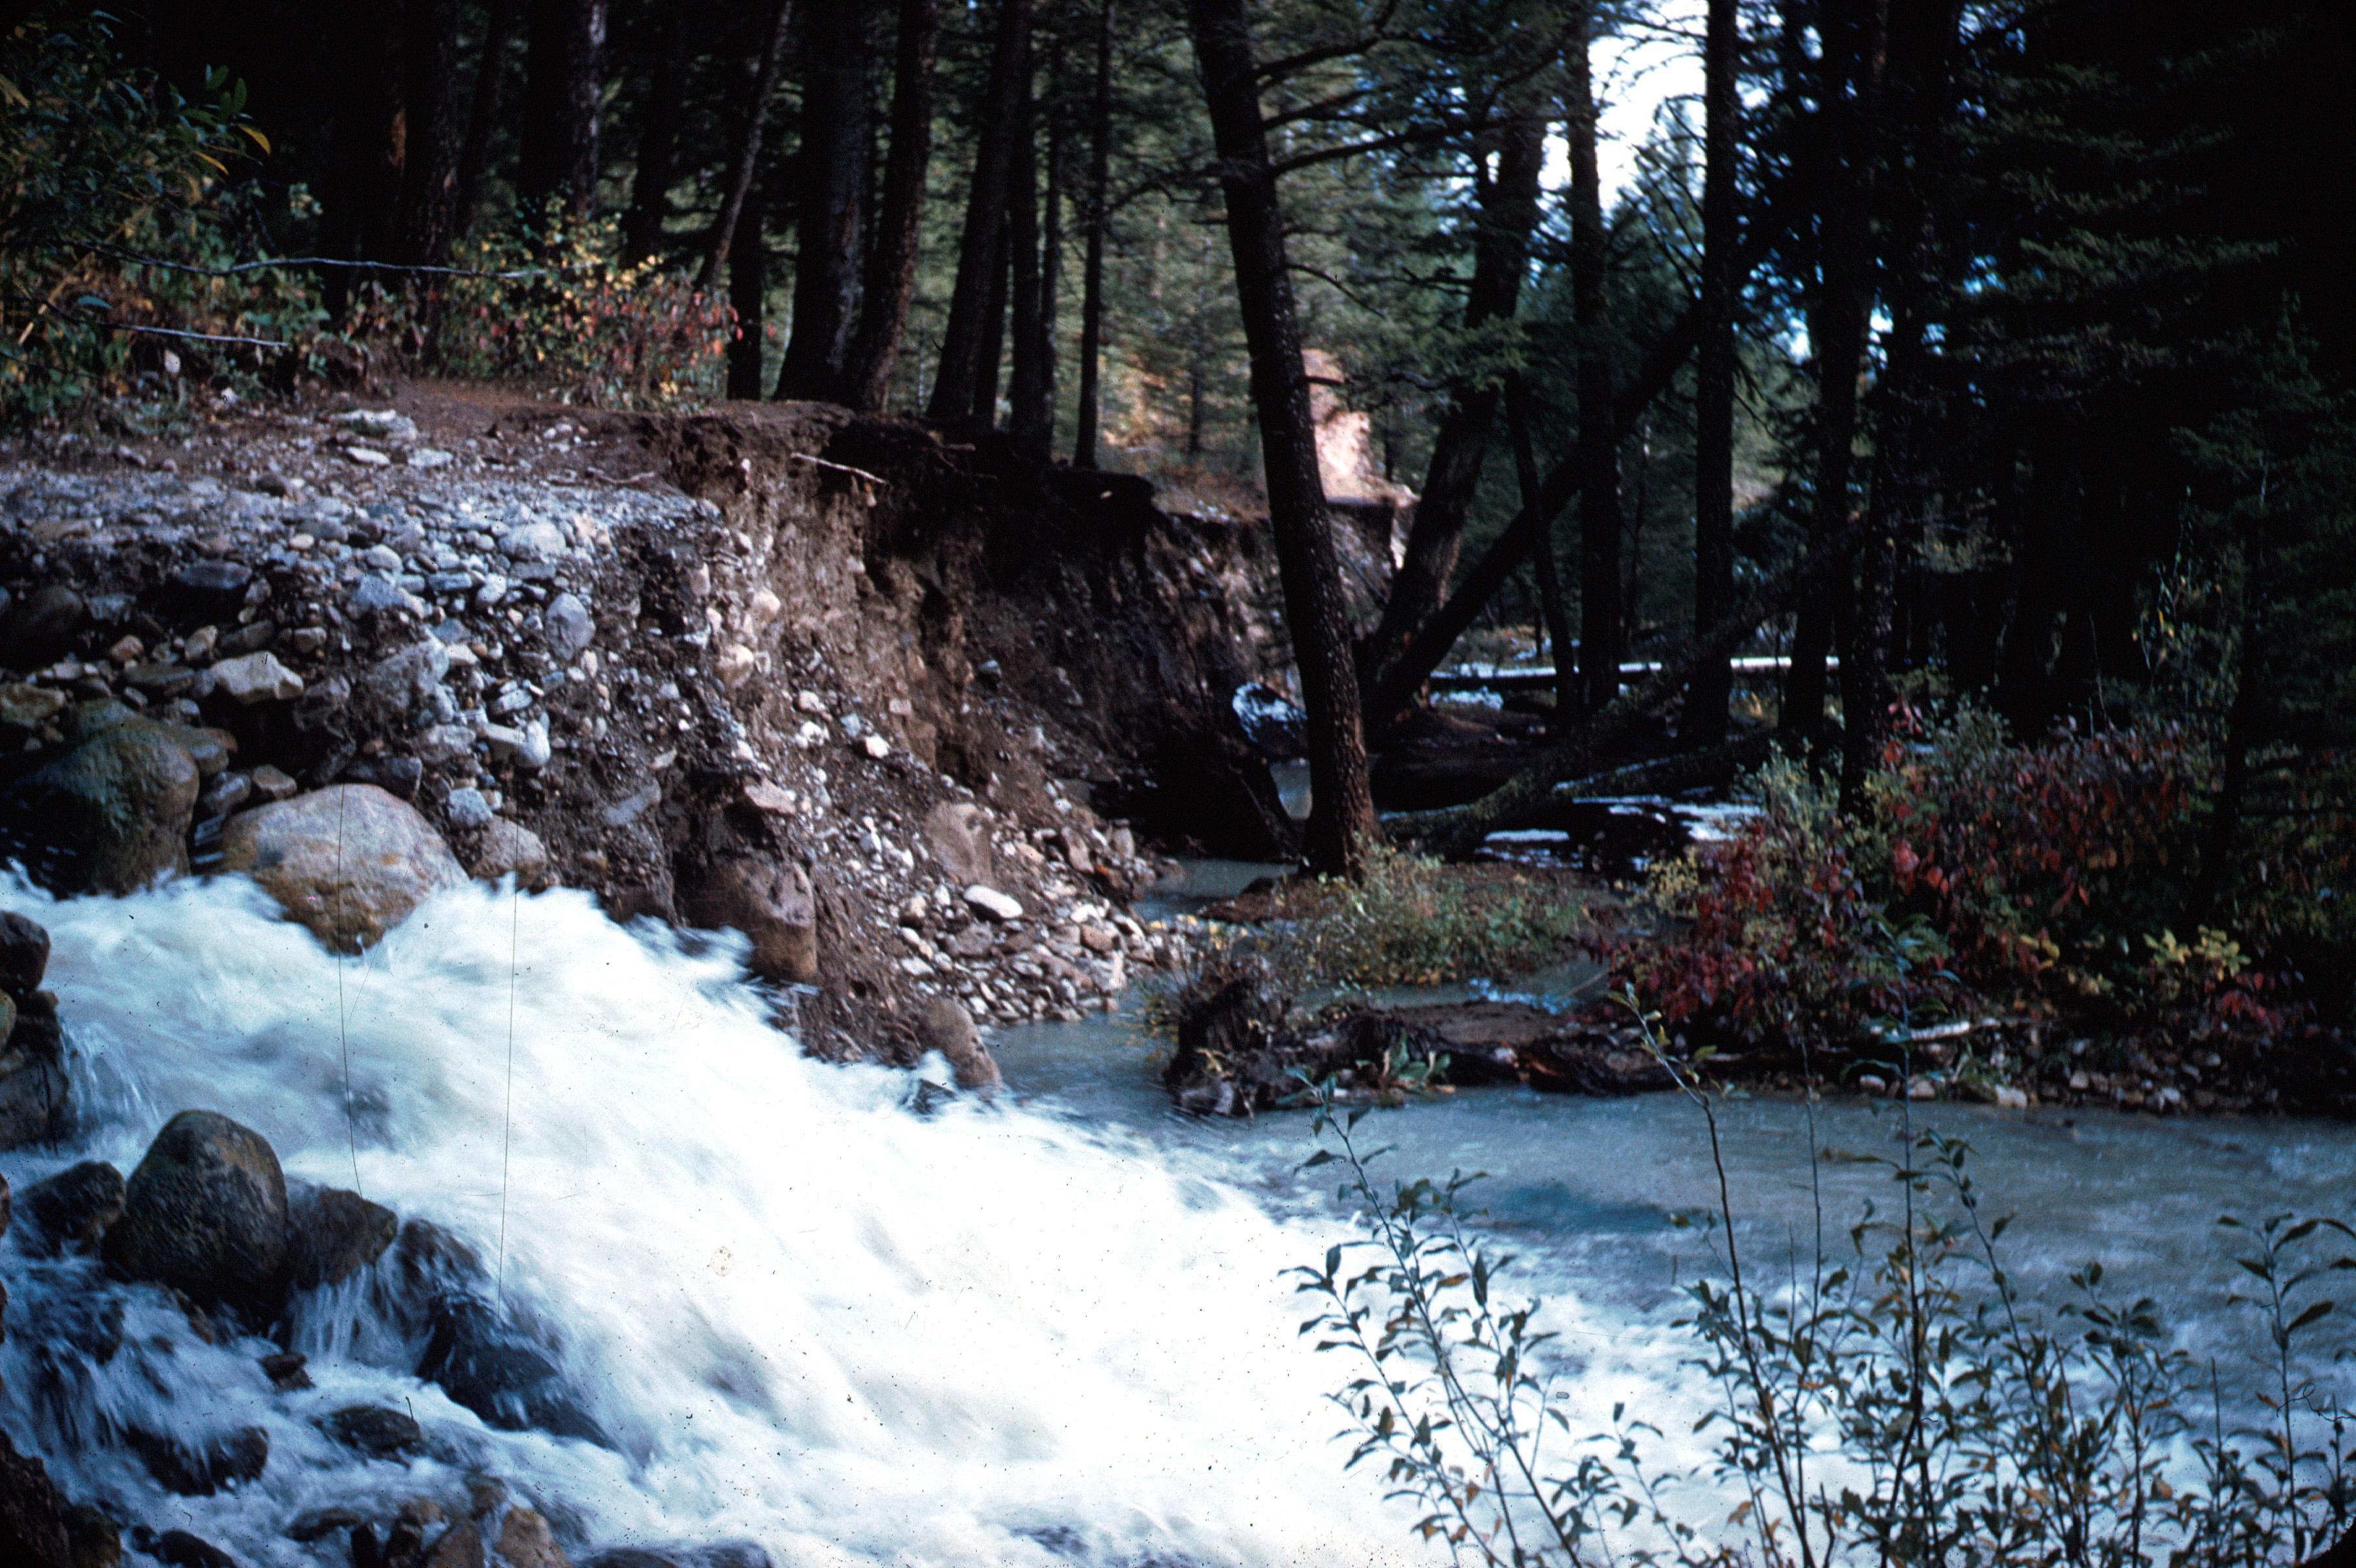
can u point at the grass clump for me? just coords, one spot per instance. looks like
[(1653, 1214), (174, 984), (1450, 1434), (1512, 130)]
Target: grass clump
[(1412, 921)]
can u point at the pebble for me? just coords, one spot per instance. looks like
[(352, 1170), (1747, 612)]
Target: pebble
[(993, 903), (256, 678)]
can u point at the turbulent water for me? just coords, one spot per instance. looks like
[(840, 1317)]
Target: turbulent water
[(805, 1315)]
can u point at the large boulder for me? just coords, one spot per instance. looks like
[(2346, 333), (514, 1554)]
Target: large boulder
[(197, 1467), (205, 1213), (349, 862), (497, 1368), (111, 815), (943, 1024), (23, 955), (768, 899)]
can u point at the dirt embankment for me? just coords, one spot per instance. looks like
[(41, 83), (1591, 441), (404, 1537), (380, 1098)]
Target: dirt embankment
[(824, 678)]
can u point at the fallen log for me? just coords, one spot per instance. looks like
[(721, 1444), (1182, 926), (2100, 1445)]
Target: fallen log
[(1458, 830)]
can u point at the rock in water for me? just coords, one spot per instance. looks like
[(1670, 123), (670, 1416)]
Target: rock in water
[(376, 1431), (202, 1468), (769, 900), (206, 1213), (332, 1234), (526, 1541), (71, 1209), (493, 1368), (349, 862), (943, 1024), (33, 1103), (510, 848), (32, 1514), (24, 953), (110, 816)]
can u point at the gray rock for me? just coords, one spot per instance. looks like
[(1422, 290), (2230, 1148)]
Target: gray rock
[(24, 708), (110, 816), (70, 1210), (525, 746), (532, 542), (509, 848), (256, 678), (201, 1466), (349, 862), (377, 591), (943, 1024), (39, 626), (24, 953), (466, 809), (205, 1213), (769, 900), (440, 745), (376, 424), (224, 795), (958, 836), (34, 1107), (210, 590), (569, 628), (332, 1234), (375, 1430), (400, 683)]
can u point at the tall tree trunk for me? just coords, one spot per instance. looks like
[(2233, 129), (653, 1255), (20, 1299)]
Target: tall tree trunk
[(891, 277), (991, 353), (563, 82), (1027, 388), (760, 87), (1854, 50), (429, 172), (956, 385), (1521, 419), (1600, 627), (1091, 416), (370, 145), (483, 111), (1508, 210), (642, 225), (1342, 814), (748, 293), (1704, 714), (832, 169)]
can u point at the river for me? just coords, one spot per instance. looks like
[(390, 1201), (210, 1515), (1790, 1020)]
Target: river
[(1053, 1330)]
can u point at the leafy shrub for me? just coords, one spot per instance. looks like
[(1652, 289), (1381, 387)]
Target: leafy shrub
[(2042, 875), (551, 306), (100, 163)]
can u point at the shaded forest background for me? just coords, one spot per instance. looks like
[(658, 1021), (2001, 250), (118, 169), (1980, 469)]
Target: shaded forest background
[(2004, 348)]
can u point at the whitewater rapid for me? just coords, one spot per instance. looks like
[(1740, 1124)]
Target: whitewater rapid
[(807, 1315)]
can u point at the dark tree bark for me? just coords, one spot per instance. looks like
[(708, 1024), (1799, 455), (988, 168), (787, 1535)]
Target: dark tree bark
[(1508, 212), (956, 383), (429, 172), (1341, 816), (992, 354), (748, 293), (1028, 388), (1849, 102), (1521, 418), (483, 111), (370, 144), (642, 225), (759, 88), (1091, 410), (1599, 628), (1705, 716), (891, 276), (832, 169), (564, 81)]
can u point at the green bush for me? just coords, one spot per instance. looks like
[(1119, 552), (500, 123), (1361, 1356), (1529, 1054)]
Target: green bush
[(550, 305), (100, 163)]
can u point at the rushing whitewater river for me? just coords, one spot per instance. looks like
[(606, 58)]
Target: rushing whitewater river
[(1049, 1331)]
